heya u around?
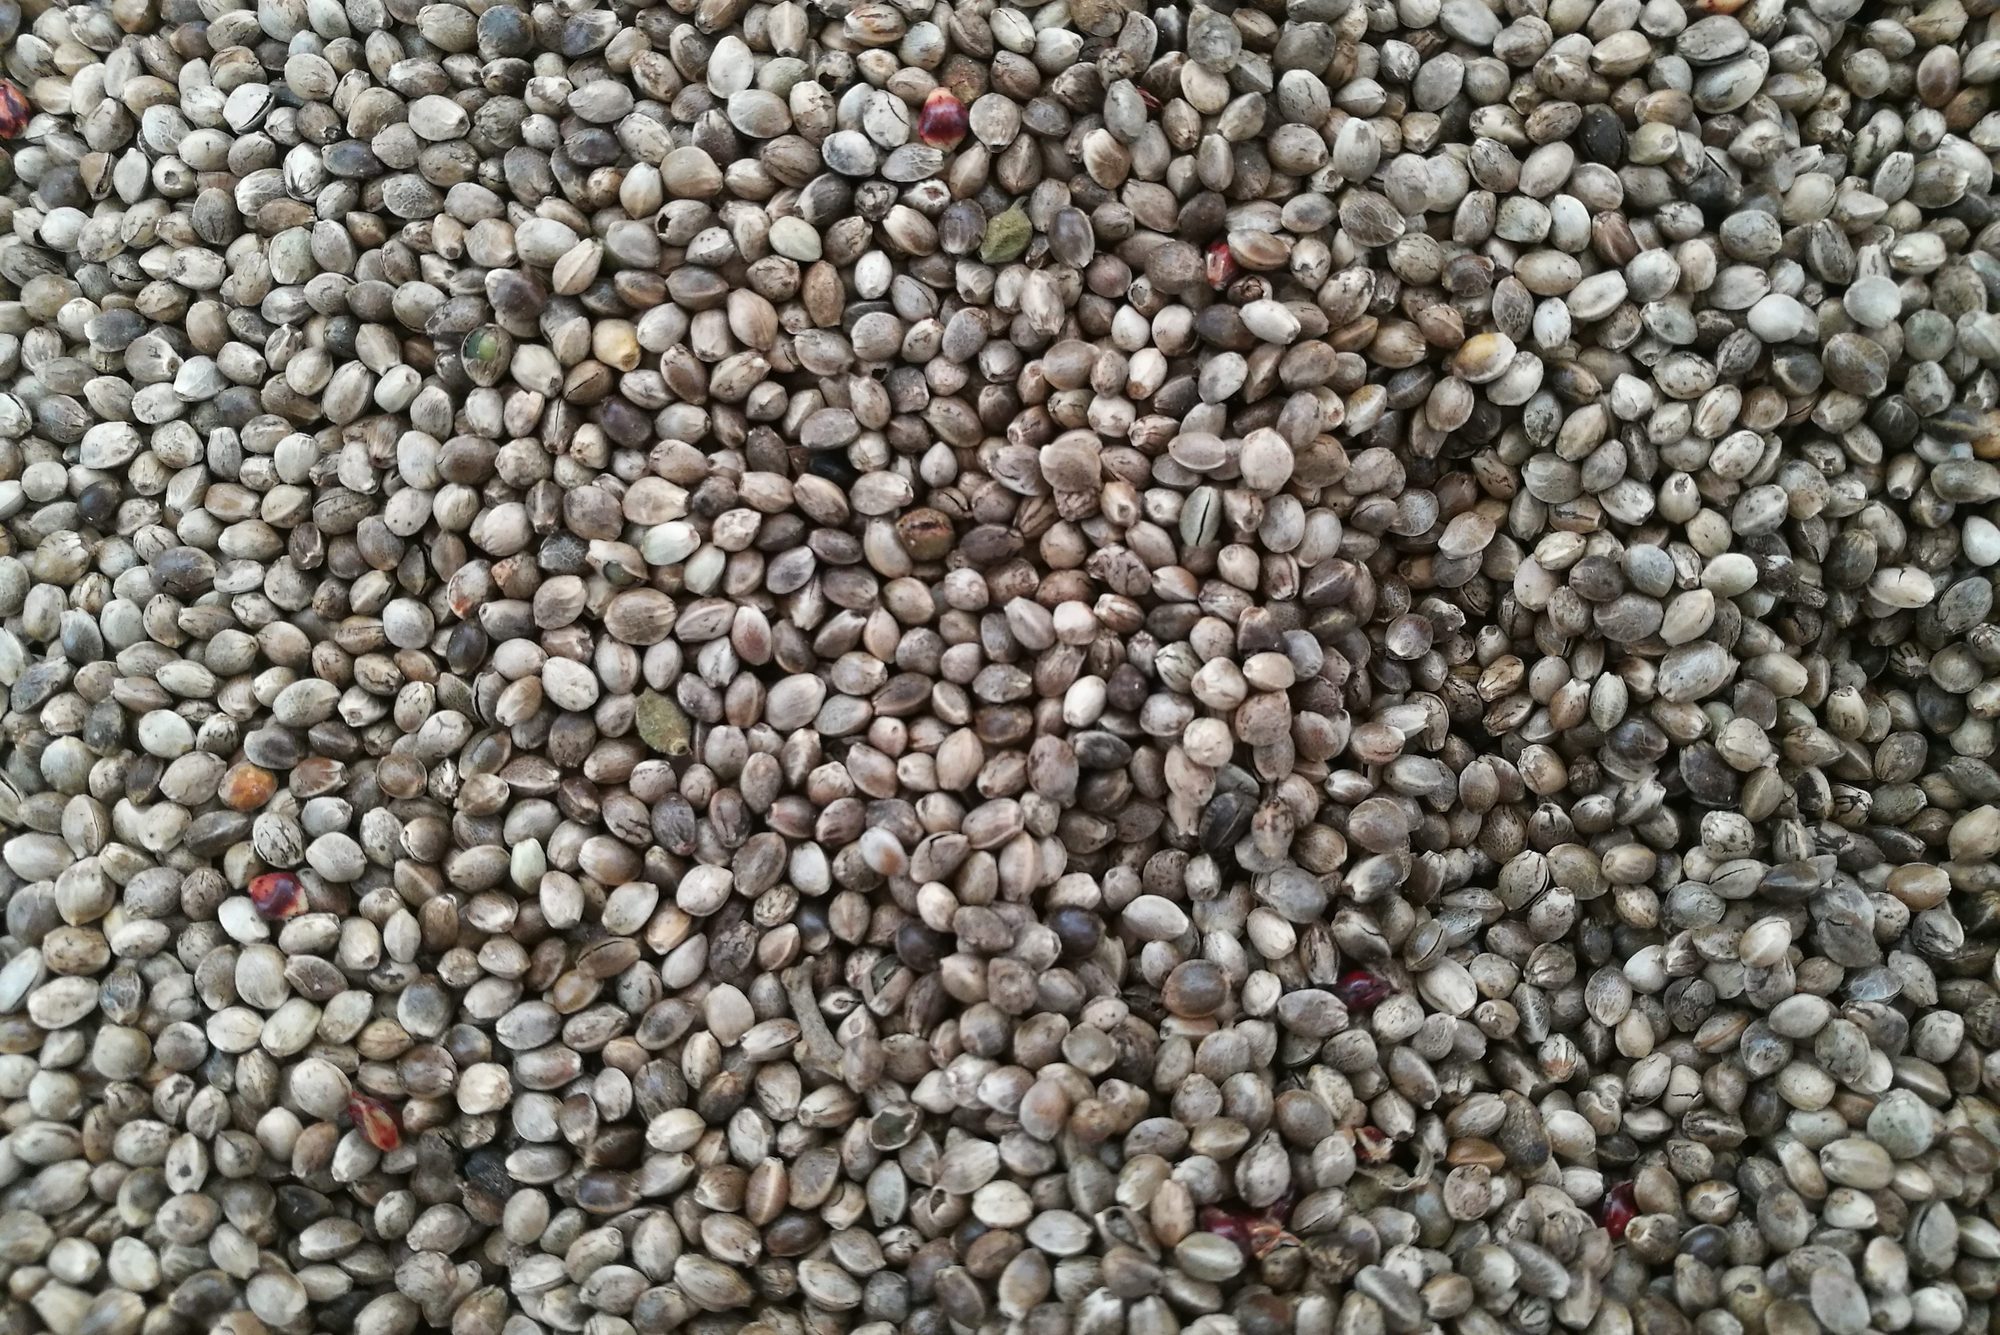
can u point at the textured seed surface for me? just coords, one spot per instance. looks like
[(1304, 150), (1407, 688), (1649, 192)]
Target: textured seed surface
[(788, 666)]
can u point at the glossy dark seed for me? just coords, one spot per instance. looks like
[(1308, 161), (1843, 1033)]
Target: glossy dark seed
[(1078, 930), (919, 947)]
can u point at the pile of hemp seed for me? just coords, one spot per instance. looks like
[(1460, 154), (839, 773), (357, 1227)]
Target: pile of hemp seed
[(854, 667)]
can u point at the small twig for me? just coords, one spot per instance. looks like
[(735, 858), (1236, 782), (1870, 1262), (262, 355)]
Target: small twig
[(822, 1053)]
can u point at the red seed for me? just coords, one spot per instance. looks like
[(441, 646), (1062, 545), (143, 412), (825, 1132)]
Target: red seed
[(1256, 1233), (1152, 103), (375, 1120), (277, 894), (1372, 1145), (942, 122), (1221, 264), (1617, 1210), (1360, 990), (1236, 1225), (14, 110)]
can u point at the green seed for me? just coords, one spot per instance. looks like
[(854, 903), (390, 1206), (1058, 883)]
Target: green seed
[(663, 725), (486, 352), (1006, 237)]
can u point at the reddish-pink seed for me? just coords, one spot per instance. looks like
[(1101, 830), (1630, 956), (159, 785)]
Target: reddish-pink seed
[(1236, 1225), (1256, 1233), (942, 122), (1617, 1210), (1221, 264), (1361, 990), (375, 1120), (14, 110), (277, 894)]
